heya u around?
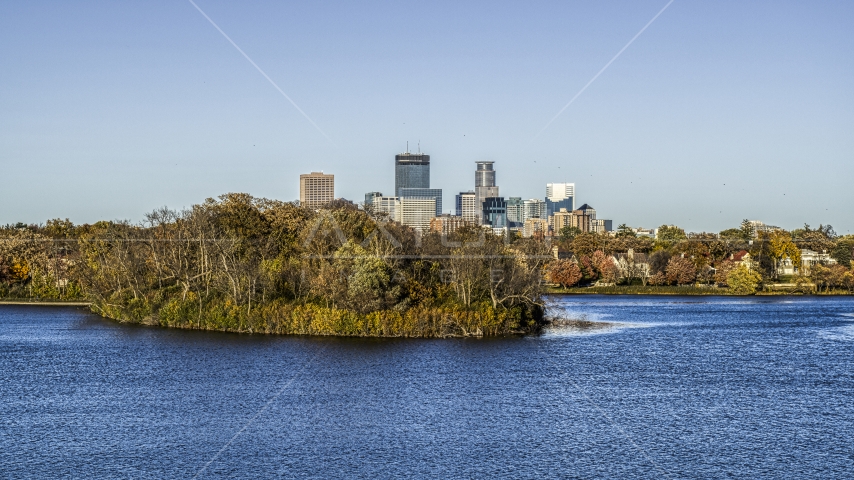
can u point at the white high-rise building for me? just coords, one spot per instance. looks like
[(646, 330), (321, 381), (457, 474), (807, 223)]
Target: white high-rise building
[(389, 205), (417, 212), (467, 207), (559, 195), (410, 211), (560, 191)]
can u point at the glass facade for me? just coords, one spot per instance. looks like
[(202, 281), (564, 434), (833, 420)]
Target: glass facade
[(552, 206), (484, 176), (515, 212), (495, 212), (411, 170), (369, 197)]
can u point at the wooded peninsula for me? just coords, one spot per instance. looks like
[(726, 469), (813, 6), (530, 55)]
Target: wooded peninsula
[(244, 264), (253, 265)]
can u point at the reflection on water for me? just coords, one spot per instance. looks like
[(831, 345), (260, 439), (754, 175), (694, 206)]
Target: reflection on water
[(843, 333), (633, 387)]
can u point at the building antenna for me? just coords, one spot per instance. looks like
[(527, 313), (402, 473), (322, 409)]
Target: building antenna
[(407, 146), (419, 147)]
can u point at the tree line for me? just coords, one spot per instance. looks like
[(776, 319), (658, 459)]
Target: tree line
[(741, 259), (240, 263)]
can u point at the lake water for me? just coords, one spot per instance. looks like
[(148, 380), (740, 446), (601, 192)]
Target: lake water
[(694, 387)]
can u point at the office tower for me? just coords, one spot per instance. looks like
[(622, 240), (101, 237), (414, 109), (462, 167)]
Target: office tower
[(484, 185), (560, 191), (369, 197), (411, 170), (434, 193), (515, 211), (389, 206), (316, 189), (417, 212), (494, 212), (467, 207), (534, 208), (559, 195)]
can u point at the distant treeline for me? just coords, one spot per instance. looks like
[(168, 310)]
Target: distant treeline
[(739, 259), (245, 264)]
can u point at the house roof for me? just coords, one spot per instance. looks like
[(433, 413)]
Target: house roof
[(639, 257)]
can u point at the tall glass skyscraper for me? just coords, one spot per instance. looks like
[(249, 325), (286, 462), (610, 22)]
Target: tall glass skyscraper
[(484, 186), (411, 170)]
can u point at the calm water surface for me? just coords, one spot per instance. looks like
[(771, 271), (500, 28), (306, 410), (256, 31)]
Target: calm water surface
[(679, 387)]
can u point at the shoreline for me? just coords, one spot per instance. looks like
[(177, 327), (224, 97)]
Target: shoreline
[(686, 291), (45, 303)]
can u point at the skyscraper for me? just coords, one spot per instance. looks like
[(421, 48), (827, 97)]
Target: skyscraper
[(369, 197), (411, 170), (515, 212), (559, 195), (495, 212), (534, 208), (484, 185), (316, 189), (412, 178), (467, 207), (417, 212), (389, 206), (434, 194)]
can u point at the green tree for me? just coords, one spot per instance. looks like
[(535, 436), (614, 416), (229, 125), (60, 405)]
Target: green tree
[(743, 281), (747, 230), (624, 231), (568, 233), (843, 250), (732, 234), (585, 244), (667, 236)]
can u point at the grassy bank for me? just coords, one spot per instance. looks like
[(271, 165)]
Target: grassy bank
[(279, 317), (31, 301)]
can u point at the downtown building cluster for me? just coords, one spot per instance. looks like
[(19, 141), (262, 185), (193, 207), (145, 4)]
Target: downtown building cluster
[(414, 203)]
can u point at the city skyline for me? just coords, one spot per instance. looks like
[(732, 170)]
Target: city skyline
[(710, 114)]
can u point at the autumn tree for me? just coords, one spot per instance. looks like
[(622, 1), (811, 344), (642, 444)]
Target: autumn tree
[(604, 264), (743, 281), (585, 244), (680, 271), (563, 272), (779, 245), (723, 270), (658, 261)]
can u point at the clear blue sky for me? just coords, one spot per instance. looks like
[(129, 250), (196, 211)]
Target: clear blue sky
[(719, 111)]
